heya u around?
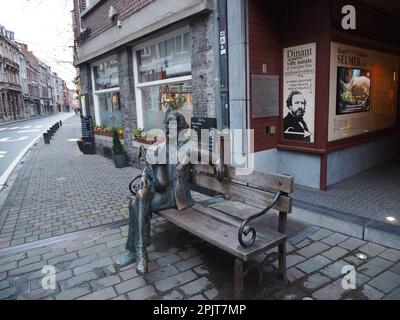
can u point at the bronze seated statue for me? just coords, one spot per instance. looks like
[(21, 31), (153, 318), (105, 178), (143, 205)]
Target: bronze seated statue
[(162, 186)]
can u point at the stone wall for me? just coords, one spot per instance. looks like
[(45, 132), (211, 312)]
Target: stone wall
[(128, 101), (203, 67)]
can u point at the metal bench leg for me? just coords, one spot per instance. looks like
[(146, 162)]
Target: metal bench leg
[(282, 247), (238, 279)]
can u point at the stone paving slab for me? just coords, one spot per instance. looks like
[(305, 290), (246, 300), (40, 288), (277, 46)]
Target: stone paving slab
[(59, 190), (94, 276), (371, 194)]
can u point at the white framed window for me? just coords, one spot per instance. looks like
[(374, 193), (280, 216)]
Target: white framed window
[(105, 83), (163, 78)]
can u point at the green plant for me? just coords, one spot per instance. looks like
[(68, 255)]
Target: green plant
[(117, 146), (138, 132), (174, 102)]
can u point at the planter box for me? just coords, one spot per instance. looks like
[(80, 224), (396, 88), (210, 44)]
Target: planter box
[(107, 134), (145, 140)]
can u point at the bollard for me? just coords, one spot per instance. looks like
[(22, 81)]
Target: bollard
[(56, 126), (49, 134), (60, 123), (46, 138)]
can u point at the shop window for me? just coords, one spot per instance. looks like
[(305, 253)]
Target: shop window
[(107, 105), (110, 109), (164, 78), (106, 75)]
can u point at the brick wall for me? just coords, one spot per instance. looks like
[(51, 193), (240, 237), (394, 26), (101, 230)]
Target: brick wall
[(98, 21)]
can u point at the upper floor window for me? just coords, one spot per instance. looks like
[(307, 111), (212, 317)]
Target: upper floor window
[(163, 77), (106, 75), (169, 57)]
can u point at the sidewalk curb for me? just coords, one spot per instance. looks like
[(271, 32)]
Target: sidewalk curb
[(21, 155), (348, 224)]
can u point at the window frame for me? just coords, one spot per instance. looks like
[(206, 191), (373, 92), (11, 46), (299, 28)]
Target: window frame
[(140, 85), (102, 91)]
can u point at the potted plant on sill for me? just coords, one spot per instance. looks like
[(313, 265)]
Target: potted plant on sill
[(119, 155)]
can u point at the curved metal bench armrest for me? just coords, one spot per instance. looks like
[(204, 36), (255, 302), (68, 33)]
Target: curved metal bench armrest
[(244, 230)]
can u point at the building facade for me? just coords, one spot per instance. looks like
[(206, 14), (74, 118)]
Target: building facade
[(307, 96), (26, 84), (32, 69), (11, 100), (58, 93)]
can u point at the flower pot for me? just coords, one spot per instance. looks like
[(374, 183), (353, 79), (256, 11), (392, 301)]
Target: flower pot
[(119, 160), (86, 147)]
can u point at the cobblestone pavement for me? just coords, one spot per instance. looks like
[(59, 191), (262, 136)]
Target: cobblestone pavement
[(183, 267), (68, 210), (376, 192), (59, 190)]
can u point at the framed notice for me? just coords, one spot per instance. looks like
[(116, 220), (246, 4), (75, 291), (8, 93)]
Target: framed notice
[(299, 67), (265, 96)]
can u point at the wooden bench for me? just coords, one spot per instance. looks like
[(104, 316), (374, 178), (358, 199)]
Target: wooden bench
[(236, 220)]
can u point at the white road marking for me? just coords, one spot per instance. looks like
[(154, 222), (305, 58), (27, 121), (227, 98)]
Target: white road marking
[(14, 128), (14, 140), (27, 127), (2, 156), (28, 131), (3, 152), (6, 174), (38, 127)]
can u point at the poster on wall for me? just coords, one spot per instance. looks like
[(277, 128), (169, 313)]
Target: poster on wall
[(362, 91), (299, 92), (353, 90)]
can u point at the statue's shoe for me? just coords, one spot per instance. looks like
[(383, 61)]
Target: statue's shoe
[(141, 261), (126, 260)]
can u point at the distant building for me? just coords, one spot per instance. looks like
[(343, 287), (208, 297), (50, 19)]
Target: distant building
[(58, 93), (11, 100), (32, 101)]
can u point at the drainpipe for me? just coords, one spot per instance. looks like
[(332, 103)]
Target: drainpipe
[(222, 64)]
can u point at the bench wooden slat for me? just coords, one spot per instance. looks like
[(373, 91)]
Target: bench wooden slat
[(260, 223), (220, 233), (259, 180), (236, 209), (242, 193)]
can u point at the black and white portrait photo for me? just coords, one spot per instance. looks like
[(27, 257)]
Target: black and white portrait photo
[(294, 126)]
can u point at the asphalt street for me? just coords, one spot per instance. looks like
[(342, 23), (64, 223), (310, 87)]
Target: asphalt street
[(16, 138)]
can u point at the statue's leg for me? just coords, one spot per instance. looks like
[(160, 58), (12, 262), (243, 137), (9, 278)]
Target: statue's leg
[(139, 230), (164, 200), (130, 256), (140, 225)]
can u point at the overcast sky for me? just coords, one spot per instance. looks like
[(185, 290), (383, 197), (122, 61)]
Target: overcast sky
[(46, 26)]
